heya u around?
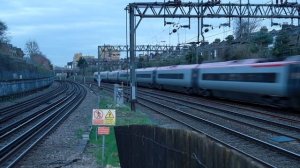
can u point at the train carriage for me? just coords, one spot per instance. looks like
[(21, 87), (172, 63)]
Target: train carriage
[(124, 76), (294, 82), (113, 76), (146, 77), (95, 76), (251, 80), (103, 76), (176, 77), (264, 83)]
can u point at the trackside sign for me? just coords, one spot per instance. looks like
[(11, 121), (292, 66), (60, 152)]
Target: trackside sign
[(104, 117), (103, 131)]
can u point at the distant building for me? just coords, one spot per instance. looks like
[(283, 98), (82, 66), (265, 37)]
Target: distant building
[(76, 58), (10, 50), (91, 60), (110, 55)]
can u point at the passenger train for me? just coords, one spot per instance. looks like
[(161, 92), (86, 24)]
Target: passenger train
[(251, 80)]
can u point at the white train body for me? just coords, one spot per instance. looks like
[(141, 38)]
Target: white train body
[(276, 83), (264, 79), (178, 75)]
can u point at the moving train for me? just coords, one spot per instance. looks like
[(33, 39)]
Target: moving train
[(259, 81)]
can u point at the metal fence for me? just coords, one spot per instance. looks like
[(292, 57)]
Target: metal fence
[(152, 146)]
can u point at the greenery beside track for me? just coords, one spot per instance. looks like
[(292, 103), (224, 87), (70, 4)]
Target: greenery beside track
[(124, 117)]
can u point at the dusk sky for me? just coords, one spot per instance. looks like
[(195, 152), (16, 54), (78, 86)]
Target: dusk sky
[(65, 27)]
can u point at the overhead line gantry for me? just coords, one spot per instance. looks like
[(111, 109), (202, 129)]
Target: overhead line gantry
[(210, 9), (123, 48)]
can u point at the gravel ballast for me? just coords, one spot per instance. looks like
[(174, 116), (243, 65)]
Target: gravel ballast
[(63, 147)]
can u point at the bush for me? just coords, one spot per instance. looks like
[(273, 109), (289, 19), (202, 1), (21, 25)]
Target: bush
[(16, 68)]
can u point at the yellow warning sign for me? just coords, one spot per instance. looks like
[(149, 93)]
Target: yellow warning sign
[(104, 117), (110, 118), (109, 115)]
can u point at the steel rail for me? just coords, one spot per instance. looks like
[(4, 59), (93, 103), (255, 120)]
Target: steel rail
[(236, 133), (81, 97), (266, 164), (232, 112), (229, 130), (12, 128), (247, 107), (23, 139), (225, 117), (8, 109), (15, 110)]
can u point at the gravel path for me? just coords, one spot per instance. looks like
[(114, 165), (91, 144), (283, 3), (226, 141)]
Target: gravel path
[(63, 147)]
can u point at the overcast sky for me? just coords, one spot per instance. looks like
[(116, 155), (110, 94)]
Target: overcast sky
[(65, 27)]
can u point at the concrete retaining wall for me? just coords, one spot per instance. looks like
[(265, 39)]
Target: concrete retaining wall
[(152, 146), (19, 86)]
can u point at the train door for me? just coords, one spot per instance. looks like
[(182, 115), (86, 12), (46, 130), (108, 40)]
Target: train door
[(294, 85), (195, 76), (154, 77), (118, 78)]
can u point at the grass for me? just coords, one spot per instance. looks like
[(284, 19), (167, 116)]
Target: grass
[(79, 133), (124, 117)]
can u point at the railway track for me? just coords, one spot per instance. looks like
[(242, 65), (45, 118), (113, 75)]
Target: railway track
[(258, 148), (20, 134), (273, 113), (276, 127), (9, 112)]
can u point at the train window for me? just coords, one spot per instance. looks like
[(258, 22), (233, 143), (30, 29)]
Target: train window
[(123, 75), (242, 77), (171, 76), (143, 75)]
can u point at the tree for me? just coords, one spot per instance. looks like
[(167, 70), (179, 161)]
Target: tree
[(82, 64), (243, 28), (190, 57), (33, 51), (3, 29), (141, 62), (217, 40), (261, 39), (32, 48), (229, 39), (281, 47)]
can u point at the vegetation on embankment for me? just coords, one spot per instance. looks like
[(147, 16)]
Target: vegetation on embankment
[(124, 116)]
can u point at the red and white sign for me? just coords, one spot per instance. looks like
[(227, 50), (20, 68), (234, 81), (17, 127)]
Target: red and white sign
[(97, 117), (104, 117), (103, 130)]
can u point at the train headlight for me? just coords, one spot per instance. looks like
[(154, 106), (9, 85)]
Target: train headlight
[(295, 75)]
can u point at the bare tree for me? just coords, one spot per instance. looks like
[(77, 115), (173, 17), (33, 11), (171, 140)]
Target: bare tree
[(3, 29), (33, 51), (32, 48), (243, 28)]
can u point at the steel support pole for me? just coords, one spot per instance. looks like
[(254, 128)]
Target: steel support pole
[(103, 149), (299, 15), (99, 58), (198, 37), (127, 61), (132, 58), (202, 13)]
